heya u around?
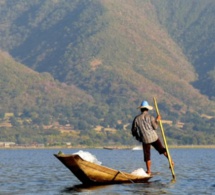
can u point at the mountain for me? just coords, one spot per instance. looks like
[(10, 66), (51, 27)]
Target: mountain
[(115, 54)]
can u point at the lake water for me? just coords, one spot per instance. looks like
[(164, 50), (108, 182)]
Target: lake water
[(26, 172)]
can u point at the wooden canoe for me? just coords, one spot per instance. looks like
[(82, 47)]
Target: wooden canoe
[(94, 174)]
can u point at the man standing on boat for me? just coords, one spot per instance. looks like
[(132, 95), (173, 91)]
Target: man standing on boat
[(143, 128)]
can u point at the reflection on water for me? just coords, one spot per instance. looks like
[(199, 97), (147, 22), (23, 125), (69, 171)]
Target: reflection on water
[(84, 188), (150, 188), (28, 172), (146, 188)]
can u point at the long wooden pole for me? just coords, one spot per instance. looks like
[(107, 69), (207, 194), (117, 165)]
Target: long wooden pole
[(164, 139)]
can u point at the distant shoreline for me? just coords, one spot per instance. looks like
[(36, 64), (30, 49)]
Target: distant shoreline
[(193, 146), (104, 147)]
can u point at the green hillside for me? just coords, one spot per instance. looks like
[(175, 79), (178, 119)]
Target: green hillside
[(22, 87), (35, 96), (111, 55), (191, 24)]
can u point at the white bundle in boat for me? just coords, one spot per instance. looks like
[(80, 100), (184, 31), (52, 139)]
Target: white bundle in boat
[(88, 157), (140, 172)]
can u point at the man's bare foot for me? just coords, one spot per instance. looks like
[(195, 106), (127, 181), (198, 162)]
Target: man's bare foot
[(148, 172)]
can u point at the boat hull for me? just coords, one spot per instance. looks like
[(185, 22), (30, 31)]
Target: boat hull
[(93, 174)]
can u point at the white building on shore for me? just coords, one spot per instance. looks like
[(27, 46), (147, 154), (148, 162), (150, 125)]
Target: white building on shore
[(7, 144)]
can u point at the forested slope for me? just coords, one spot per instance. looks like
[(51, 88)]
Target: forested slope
[(191, 24), (25, 91)]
